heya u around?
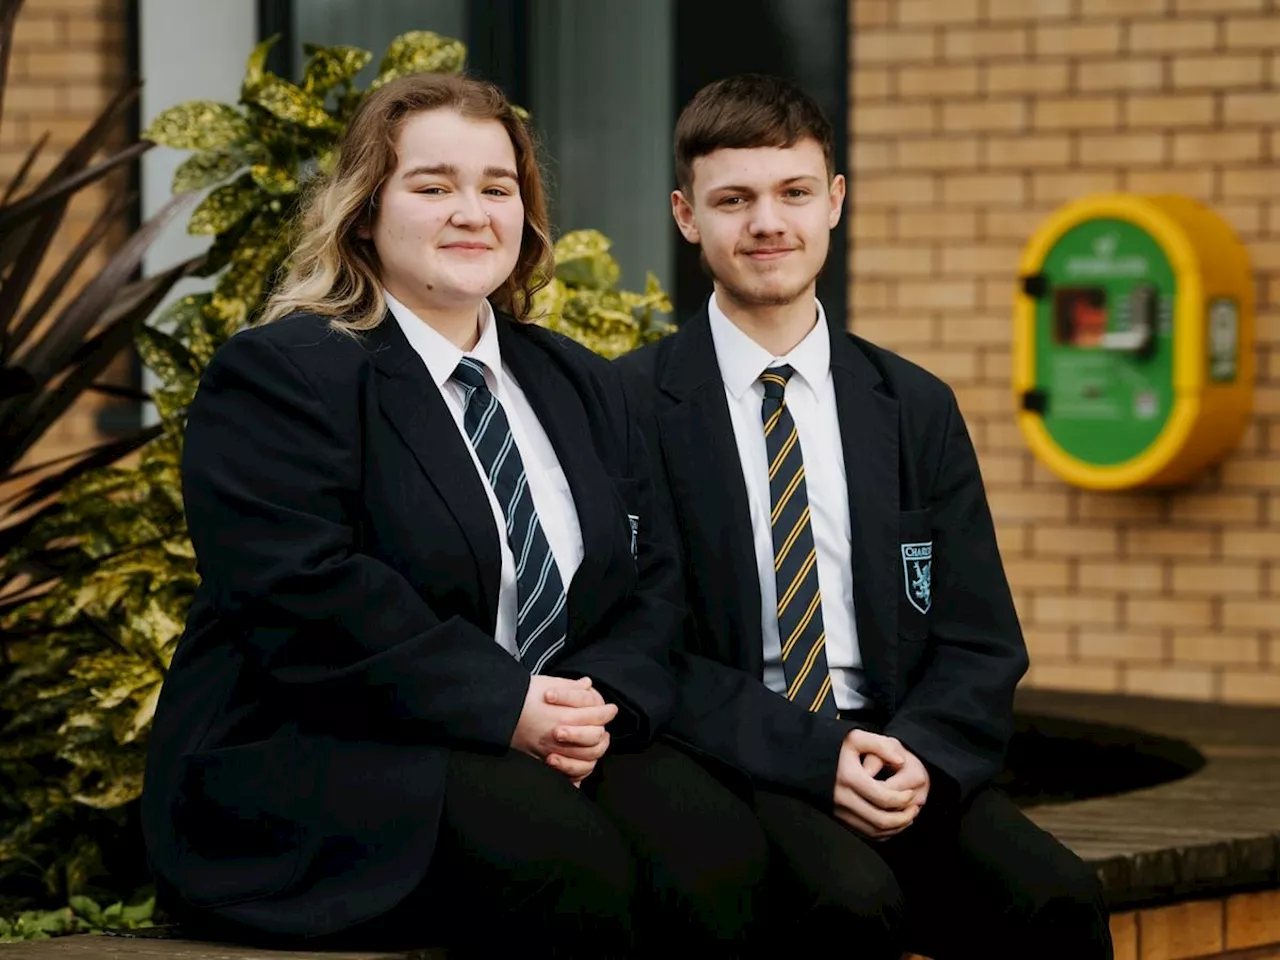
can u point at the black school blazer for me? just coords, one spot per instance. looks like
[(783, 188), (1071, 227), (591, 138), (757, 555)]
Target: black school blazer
[(941, 645), (341, 641)]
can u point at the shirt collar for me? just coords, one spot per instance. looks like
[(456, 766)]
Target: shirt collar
[(742, 360), (437, 352)]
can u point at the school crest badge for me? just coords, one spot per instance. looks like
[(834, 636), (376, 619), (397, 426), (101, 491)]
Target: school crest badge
[(917, 574)]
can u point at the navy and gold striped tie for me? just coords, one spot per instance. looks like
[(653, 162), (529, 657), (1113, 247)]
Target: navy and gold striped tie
[(795, 563), (542, 620)]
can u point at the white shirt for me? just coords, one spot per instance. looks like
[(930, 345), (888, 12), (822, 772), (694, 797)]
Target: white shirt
[(547, 484), (811, 399)]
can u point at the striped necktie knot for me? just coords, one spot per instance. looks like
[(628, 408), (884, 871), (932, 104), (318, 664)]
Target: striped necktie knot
[(470, 373), (775, 381)]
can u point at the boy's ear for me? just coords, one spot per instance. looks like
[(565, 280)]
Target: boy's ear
[(682, 211)]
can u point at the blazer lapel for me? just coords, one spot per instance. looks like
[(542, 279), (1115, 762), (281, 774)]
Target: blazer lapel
[(558, 405), (869, 435), (412, 402), (709, 489)]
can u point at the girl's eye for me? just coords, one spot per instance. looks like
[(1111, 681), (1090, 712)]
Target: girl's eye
[(432, 191)]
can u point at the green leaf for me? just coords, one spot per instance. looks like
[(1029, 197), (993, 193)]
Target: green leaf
[(111, 916), (139, 913), (330, 66), (583, 261), (420, 51), (274, 179), (87, 908), (165, 356), (208, 169), (255, 70), (198, 125), (291, 103), (225, 207)]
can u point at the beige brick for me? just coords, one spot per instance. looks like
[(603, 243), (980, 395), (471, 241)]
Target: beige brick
[(1031, 10), (1062, 187), (893, 261), (880, 191), (1238, 507), (1142, 576), (1006, 78), (1239, 579), (871, 83), (1197, 183), (1179, 683), (1218, 147), (1033, 574), (1260, 183), (1181, 111), (1217, 6), (994, 364), (928, 12), (1128, 646), (984, 115), (871, 295), (1074, 676), (1092, 610), (1001, 469), (939, 294), (872, 119), (873, 13), (1239, 108), (953, 366), (894, 46), (895, 332), (1218, 72), (1093, 76), (63, 64), (35, 99), (937, 224), (1146, 542), (1216, 648), (873, 155), (1239, 614), (1079, 113), (870, 225), (985, 260), (937, 153), (948, 81), (1074, 540), (1052, 642), (1193, 613), (980, 400), (1021, 153), (1170, 36), (1121, 506), (1124, 935), (1242, 544), (984, 43), (1029, 504), (1017, 225), (1253, 33), (1115, 8), (34, 30), (972, 332), (1251, 687), (984, 190), (1100, 150), (1051, 39)]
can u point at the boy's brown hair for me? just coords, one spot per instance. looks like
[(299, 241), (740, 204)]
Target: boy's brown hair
[(745, 111)]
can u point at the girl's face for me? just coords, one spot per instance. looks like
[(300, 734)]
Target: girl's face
[(449, 219)]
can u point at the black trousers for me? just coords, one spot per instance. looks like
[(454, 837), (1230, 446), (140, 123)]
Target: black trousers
[(972, 882), (651, 853)]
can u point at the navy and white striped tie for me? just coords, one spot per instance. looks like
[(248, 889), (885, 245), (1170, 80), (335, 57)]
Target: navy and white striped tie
[(542, 620)]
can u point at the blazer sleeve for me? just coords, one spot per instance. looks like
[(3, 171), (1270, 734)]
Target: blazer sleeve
[(271, 481), (958, 717), (630, 659)]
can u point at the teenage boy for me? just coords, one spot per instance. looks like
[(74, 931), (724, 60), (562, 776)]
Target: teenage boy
[(853, 646)]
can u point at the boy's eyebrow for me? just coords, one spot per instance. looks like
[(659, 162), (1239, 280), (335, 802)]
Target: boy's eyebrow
[(782, 183)]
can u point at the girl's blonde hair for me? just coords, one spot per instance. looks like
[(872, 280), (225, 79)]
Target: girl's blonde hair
[(334, 271)]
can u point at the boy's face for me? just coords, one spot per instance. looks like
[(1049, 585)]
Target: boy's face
[(763, 217)]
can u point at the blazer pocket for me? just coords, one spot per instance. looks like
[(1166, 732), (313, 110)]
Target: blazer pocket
[(914, 563), (240, 815)]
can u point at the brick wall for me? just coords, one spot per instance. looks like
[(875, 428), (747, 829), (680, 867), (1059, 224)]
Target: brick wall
[(971, 121), (68, 60)]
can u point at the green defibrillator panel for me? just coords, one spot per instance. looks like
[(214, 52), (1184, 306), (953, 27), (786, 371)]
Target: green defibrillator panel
[(1133, 341)]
